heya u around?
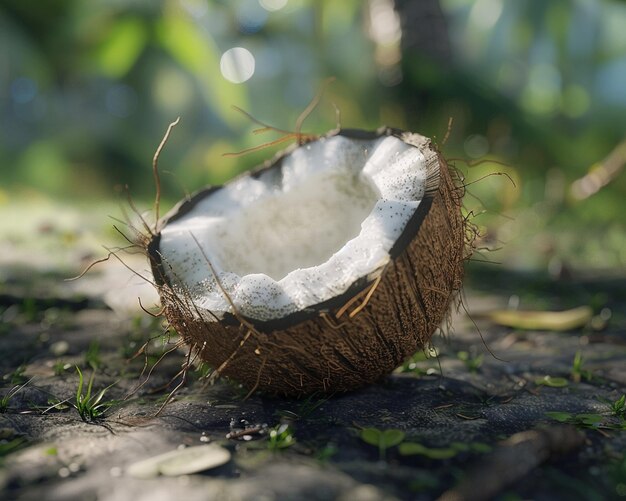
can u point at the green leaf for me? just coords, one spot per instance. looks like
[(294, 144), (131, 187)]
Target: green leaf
[(122, 47), (371, 436), (79, 390), (589, 419), (96, 400), (620, 404), (90, 387), (413, 448), (446, 453), (460, 446), (391, 438), (553, 382), (561, 417), (480, 447)]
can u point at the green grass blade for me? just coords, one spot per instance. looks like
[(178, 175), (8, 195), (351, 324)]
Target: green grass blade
[(79, 390)]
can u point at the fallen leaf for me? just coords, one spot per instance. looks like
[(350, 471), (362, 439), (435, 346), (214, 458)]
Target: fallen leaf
[(180, 462), (543, 320)]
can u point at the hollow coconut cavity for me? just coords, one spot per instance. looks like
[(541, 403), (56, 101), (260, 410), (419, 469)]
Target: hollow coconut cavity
[(321, 271)]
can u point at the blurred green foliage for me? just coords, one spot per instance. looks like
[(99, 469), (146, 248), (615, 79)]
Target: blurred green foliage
[(87, 90)]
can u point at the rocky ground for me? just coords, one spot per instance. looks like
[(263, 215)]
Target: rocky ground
[(494, 411)]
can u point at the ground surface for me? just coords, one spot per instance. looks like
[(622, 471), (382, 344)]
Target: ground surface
[(460, 408)]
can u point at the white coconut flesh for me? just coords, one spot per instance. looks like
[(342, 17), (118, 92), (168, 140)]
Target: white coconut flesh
[(296, 236)]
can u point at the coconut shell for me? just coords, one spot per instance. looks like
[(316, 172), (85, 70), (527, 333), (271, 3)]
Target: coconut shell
[(313, 351)]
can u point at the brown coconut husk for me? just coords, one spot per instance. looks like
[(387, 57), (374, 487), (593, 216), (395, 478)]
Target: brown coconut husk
[(351, 340)]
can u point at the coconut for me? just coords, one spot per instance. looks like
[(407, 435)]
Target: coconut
[(321, 271)]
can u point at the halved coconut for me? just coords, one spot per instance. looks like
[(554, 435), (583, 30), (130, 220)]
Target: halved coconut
[(323, 270)]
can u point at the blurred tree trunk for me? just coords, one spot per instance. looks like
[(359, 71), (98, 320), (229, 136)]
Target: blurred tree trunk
[(424, 30), (426, 60)]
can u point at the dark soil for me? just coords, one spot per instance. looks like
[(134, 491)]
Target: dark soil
[(465, 402)]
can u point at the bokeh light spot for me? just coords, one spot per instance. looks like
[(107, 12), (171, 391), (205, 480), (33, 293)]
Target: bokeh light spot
[(237, 65), (273, 5), (476, 146), (172, 90), (485, 13)]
